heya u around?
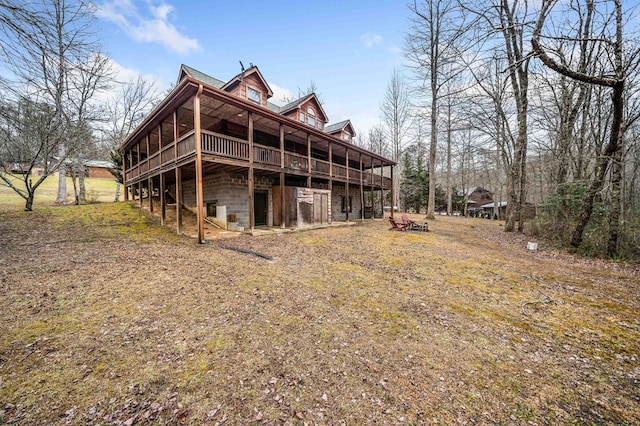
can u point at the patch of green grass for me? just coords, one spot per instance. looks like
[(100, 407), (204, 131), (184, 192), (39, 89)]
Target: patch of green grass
[(98, 190)]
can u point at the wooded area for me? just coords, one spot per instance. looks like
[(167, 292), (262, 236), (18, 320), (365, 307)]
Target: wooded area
[(537, 103)]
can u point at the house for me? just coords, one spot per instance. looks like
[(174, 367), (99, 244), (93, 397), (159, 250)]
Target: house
[(495, 210), (223, 150), (476, 199), (99, 169)]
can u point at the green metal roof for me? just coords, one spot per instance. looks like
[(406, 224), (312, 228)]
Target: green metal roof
[(198, 75)]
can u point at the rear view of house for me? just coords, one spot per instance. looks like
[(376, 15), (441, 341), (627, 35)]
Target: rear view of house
[(223, 150)]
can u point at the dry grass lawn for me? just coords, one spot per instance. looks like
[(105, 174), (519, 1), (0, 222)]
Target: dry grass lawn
[(98, 190), (106, 318)]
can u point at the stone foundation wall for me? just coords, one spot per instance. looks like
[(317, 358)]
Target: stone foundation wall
[(336, 203), (230, 190)]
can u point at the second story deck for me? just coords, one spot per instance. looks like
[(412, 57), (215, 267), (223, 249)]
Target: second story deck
[(235, 133)]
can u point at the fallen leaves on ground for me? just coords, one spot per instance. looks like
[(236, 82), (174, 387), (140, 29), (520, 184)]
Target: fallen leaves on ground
[(107, 318)]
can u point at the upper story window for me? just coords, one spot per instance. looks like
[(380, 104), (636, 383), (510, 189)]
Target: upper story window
[(346, 137), (301, 117), (311, 117), (254, 95), (320, 125)]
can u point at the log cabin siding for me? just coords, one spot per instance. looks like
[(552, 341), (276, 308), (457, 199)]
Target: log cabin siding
[(252, 80)]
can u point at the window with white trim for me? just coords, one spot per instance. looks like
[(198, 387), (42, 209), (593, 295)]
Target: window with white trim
[(254, 95), (301, 117), (346, 136), (311, 117)]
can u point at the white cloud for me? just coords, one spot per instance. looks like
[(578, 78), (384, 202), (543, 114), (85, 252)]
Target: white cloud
[(279, 94), (152, 27), (122, 75), (369, 39)]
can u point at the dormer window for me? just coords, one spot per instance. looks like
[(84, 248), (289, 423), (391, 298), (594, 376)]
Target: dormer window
[(346, 137), (320, 125), (254, 95), (301, 117), (311, 117)]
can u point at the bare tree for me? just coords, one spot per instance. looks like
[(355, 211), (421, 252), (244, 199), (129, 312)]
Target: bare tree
[(378, 143), (132, 102), (614, 67), (396, 116), (50, 51), (311, 88), (507, 23), (433, 49)]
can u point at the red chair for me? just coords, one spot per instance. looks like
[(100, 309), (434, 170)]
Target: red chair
[(397, 226)]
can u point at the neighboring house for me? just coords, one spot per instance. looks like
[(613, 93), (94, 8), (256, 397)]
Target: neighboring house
[(99, 169), (17, 167), (223, 149), (496, 210), (477, 198)]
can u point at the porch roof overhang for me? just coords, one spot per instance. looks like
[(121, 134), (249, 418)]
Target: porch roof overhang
[(188, 87)]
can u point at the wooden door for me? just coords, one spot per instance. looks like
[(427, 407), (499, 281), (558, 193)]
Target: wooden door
[(320, 209), (260, 208)]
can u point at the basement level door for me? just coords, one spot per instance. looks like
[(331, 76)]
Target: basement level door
[(320, 209), (260, 208)]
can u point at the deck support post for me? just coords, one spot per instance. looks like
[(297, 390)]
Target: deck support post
[(140, 192), (150, 192), (163, 200), (198, 144), (282, 179), (178, 200), (309, 160), (382, 193), (361, 189), (252, 219), (346, 185), (330, 179), (373, 193), (123, 156), (393, 194), (283, 216)]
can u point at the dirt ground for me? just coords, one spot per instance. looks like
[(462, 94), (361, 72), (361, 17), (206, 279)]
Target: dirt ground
[(107, 318)]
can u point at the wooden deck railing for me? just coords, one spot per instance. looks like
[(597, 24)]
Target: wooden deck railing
[(354, 174), (186, 144), (168, 153), (227, 146), (320, 166), (238, 149), (295, 161), (339, 171), (154, 161), (266, 155)]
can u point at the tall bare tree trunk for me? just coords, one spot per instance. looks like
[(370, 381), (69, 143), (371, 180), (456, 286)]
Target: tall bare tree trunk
[(82, 194), (433, 144), (616, 200), (62, 185), (449, 186)]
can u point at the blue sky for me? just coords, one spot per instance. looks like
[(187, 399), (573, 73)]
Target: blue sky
[(348, 48)]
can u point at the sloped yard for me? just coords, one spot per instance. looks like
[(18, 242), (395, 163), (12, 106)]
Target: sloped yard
[(106, 318)]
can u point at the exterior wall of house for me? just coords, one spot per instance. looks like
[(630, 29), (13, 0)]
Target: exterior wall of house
[(337, 195), (99, 172), (230, 190), (311, 103), (253, 81)]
